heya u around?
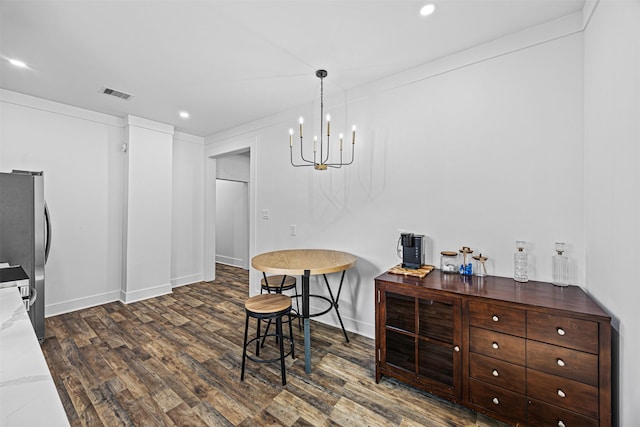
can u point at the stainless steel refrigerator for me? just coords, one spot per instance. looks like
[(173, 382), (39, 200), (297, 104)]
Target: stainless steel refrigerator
[(25, 234)]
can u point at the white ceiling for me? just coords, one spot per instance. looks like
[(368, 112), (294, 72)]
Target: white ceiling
[(231, 62)]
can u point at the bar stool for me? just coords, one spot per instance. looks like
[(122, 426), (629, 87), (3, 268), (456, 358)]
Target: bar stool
[(276, 285), (267, 307)]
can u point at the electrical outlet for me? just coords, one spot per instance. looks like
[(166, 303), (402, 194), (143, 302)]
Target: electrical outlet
[(292, 230), (265, 214)]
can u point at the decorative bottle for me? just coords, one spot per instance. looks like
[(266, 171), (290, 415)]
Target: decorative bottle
[(560, 266), (520, 262)]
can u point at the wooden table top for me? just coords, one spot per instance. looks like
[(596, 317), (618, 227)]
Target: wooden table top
[(295, 261)]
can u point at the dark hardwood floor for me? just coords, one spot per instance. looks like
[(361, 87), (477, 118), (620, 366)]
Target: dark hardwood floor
[(175, 360)]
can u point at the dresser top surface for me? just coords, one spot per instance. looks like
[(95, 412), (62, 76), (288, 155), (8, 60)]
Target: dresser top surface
[(534, 294)]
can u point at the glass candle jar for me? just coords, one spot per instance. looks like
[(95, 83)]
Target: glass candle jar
[(449, 261), (466, 268), (479, 267)]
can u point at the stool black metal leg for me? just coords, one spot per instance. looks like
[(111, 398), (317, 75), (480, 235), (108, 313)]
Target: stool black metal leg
[(258, 338), (266, 331), (279, 334), (334, 301), (293, 354), (298, 310), (244, 346)]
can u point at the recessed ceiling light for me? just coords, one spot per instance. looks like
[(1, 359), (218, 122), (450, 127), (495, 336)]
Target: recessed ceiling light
[(428, 9), (17, 63), (184, 114)]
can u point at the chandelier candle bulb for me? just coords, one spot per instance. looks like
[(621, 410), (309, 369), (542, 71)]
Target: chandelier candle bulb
[(315, 142), (353, 134), (341, 136), (290, 137), (328, 125), (301, 122)]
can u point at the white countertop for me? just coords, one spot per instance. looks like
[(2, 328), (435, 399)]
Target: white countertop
[(28, 395)]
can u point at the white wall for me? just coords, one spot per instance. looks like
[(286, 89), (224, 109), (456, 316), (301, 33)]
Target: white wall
[(234, 167), (148, 208), (80, 154), (479, 150), (188, 193), (232, 223), (612, 182)]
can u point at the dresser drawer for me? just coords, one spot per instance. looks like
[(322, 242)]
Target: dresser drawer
[(497, 400), (563, 331), (542, 414), (497, 317), (497, 345), (568, 394), (573, 364), (498, 373)]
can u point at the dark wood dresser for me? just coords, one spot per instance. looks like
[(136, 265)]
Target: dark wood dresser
[(524, 353)]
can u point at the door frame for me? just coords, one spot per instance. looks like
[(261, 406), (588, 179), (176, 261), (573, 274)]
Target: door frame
[(212, 152)]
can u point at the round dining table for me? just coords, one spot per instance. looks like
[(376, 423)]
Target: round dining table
[(305, 263)]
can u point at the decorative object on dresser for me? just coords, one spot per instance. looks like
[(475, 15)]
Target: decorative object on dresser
[(534, 354), (520, 262)]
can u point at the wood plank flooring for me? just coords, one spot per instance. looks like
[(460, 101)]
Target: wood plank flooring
[(175, 360)]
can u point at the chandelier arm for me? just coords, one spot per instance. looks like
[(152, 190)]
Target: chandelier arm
[(308, 163), (293, 164), (338, 165), (302, 155)]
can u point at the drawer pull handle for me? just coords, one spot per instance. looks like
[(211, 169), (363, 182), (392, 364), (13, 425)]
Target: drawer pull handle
[(495, 318), (561, 424), (560, 362), (560, 331), (495, 373), (495, 345), (561, 393), (495, 401), (456, 348)]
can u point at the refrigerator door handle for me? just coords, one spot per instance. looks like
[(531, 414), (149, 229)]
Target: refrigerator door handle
[(47, 222), (34, 296)]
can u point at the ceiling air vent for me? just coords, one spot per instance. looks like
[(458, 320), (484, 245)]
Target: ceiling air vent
[(116, 93)]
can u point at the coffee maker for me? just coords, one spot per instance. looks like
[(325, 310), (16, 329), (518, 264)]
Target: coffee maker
[(412, 250)]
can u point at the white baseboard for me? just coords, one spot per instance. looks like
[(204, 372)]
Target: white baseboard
[(235, 262), (351, 325), (139, 295), (119, 295), (186, 280), (80, 303)]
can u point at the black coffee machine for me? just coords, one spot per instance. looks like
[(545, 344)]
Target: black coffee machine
[(412, 250)]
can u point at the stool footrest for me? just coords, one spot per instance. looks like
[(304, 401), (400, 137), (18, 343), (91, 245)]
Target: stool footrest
[(322, 297), (276, 359)]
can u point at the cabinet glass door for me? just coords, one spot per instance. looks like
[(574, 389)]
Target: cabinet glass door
[(401, 351), (401, 326), (435, 334), (401, 311)]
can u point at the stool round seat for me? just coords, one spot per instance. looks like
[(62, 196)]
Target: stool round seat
[(271, 307), (276, 283), (268, 304)]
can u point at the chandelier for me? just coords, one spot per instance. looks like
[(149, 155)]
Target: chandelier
[(320, 159)]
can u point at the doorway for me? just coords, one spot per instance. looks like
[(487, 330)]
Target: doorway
[(232, 223), (230, 161)]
